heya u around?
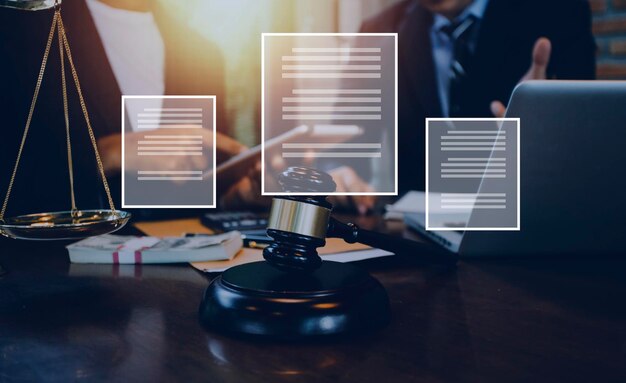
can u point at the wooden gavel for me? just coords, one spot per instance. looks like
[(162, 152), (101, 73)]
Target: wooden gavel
[(300, 224)]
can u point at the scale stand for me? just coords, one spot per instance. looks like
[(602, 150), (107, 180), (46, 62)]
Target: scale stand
[(75, 223)]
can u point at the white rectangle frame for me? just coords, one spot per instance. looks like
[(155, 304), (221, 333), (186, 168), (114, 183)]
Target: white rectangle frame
[(263, 192), (504, 119), (162, 97)]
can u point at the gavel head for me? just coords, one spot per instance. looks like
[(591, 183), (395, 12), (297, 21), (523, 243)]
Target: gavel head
[(298, 224)]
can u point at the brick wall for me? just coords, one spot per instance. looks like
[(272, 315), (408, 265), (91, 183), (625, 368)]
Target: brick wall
[(609, 27)]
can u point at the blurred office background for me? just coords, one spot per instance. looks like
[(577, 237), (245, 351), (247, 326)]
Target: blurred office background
[(236, 25), (609, 27)]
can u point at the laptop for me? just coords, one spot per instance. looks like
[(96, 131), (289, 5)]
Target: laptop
[(572, 175)]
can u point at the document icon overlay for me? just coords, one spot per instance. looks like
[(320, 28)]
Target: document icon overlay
[(168, 151), (472, 174), (330, 104)]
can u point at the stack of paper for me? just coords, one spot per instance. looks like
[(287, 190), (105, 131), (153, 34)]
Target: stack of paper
[(335, 249), (118, 249), (411, 202)]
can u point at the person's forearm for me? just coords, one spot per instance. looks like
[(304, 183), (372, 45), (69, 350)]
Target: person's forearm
[(110, 148)]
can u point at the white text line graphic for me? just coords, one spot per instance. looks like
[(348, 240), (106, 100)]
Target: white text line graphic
[(330, 146), (473, 201), (168, 156), (331, 58), (336, 91), (330, 155), (335, 50), (332, 100), (333, 81), (472, 179)]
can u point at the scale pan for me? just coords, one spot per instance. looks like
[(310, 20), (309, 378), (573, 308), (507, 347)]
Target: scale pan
[(64, 224)]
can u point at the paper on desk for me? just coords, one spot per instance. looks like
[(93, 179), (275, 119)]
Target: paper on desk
[(335, 250), (173, 227), (415, 202), (411, 202)]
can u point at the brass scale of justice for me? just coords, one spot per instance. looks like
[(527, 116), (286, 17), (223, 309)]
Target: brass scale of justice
[(75, 223)]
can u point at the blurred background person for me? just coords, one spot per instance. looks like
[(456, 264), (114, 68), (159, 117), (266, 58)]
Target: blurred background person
[(462, 58), (120, 47)]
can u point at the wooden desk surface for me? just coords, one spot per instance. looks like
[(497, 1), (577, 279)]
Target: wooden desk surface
[(497, 320)]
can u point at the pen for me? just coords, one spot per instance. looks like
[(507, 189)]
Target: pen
[(253, 241), (256, 241), (255, 245)]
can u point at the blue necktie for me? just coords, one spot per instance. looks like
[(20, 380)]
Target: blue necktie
[(460, 33)]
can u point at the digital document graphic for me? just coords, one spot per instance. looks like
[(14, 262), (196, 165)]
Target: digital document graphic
[(330, 103), (168, 151), (472, 174)]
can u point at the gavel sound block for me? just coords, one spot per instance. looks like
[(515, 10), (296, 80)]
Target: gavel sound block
[(294, 294)]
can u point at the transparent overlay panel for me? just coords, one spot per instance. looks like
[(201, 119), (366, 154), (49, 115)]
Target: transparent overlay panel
[(329, 103), (472, 174), (168, 152)]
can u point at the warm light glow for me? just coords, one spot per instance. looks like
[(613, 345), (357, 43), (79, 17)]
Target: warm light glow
[(236, 27), (326, 306)]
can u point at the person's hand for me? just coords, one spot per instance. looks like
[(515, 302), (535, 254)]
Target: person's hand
[(111, 150), (540, 60), (246, 192), (348, 180)]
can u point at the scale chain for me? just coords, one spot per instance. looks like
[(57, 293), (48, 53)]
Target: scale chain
[(83, 106), (30, 114), (57, 23), (67, 121)]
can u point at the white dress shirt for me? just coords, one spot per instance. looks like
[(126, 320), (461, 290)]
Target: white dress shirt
[(134, 47)]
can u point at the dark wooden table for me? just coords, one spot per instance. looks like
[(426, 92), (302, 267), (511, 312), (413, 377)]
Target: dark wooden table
[(506, 320)]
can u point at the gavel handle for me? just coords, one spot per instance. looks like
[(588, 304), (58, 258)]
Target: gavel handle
[(351, 233)]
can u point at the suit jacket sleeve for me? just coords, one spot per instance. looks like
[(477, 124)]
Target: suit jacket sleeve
[(573, 56)]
